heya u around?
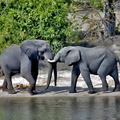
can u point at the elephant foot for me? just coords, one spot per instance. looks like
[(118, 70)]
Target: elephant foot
[(11, 92), (116, 88), (104, 89), (72, 91), (91, 92), (34, 92)]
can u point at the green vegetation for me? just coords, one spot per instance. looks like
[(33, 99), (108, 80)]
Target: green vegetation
[(97, 4), (48, 20), (34, 19)]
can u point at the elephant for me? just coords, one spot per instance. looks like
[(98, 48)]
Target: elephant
[(95, 60), (24, 59)]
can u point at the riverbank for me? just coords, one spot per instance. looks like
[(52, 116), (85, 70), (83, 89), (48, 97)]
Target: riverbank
[(55, 92), (63, 85)]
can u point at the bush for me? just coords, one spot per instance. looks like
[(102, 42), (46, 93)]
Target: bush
[(30, 19)]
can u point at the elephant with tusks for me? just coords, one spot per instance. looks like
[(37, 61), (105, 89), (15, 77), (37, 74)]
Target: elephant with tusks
[(97, 60), (24, 59)]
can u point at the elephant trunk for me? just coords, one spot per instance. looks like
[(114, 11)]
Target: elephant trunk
[(55, 73), (55, 60), (52, 66)]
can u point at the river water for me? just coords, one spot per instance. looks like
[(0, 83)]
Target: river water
[(60, 108), (57, 107)]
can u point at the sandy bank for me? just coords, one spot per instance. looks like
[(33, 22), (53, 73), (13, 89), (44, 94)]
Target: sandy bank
[(62, 88)]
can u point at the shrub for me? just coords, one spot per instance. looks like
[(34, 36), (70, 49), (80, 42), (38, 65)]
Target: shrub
[(34, 19)]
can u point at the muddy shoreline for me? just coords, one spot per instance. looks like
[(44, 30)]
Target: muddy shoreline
[(63, 85)]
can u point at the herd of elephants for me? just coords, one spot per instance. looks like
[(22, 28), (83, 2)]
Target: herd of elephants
[(24, 59)]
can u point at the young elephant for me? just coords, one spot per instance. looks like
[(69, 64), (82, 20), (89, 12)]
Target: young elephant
[(24, 59), (97, 60)]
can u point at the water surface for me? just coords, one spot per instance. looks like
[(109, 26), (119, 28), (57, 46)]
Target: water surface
[(60, 108)]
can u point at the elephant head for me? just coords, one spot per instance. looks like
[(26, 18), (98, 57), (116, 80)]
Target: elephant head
[(68, 55), (36, 49), (40, 49)]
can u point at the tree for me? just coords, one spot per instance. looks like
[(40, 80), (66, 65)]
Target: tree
[(110, 17), (98, 19)]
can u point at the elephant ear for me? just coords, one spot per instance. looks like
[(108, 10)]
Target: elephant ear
[(72, 57), (29, 49)]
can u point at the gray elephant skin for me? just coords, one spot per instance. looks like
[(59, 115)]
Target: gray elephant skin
[(97, 60), (24, 59)]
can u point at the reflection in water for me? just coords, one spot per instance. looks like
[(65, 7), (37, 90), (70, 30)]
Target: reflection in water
[(67, 108)]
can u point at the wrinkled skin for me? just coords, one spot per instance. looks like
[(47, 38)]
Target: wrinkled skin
[(97, 60), (24, 59)]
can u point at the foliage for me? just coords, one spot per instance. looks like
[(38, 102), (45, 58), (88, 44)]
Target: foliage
[(48, 19), (96, 4), (34, 19)]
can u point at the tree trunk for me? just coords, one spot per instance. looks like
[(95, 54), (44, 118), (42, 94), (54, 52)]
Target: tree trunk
[(110, 17)]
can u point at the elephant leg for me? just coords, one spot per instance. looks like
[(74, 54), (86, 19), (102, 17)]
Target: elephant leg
[(102, 75), (74, 77), (7, 84), (86, 76), (114, 75), (30, 79), (27, 73), (4, 86), (34, 71), (10, 86), (104, 83)]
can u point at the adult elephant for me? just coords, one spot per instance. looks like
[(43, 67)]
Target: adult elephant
[(24, 59), (97, 60)]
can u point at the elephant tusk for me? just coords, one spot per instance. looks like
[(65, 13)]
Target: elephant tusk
[(51, 61)]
